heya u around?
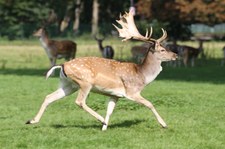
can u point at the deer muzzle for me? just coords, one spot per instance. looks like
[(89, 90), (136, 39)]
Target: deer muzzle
[(175, 56)]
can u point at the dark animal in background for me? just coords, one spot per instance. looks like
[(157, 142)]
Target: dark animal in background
[(190, 54), (107, 51)]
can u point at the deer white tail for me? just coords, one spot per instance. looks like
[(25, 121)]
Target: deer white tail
[(52, 70)]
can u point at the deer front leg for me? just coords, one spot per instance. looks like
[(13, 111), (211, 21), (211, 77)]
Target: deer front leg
[(52, 63), (81, 101), (58, 94), (148, 104), (110, 108)]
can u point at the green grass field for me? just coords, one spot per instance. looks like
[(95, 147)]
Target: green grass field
[(191, 101)]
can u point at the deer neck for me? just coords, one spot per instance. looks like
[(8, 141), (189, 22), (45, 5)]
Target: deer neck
[(44, 41), (150, 68), (101, 48), (45, 44)]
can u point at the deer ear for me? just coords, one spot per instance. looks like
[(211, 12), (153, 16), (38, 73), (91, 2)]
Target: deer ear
[(152, 47)]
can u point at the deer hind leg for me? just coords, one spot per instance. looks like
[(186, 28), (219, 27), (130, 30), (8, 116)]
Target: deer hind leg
[(148, 104), (64, 90), (110, 108), (81, 101)]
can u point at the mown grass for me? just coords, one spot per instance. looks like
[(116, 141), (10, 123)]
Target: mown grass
[(191, 101)]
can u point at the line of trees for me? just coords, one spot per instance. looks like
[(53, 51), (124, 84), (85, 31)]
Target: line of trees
[(21, 18), (178, 15), (18, 19)]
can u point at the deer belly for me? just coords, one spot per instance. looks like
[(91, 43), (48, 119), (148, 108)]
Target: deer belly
[(59, 56), (118, 92), (108, 84)]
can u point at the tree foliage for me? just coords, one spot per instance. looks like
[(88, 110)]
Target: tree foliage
[(190, 11), (17, 16), (185, 11), (179, 14), (21, 18)]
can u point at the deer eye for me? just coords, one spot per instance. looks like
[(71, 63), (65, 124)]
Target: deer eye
[(163, 50)]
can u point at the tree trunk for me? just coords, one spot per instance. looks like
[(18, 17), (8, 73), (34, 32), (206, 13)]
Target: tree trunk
[(69, 12), (78, 10), (94, 28)]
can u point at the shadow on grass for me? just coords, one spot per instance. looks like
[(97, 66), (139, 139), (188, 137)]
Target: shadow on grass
[(126, 123), (25, 72), (208, 74)]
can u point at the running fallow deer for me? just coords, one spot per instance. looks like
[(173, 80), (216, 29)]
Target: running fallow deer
[(56, 49), (110, 77), (107, 51)]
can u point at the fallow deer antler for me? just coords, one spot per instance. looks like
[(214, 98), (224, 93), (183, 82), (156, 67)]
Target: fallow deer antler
[(163, 36), (129, 29)]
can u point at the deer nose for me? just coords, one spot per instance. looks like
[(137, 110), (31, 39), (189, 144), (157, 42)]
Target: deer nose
[(175, 56)]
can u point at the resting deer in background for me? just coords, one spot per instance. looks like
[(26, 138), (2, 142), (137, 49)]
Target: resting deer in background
[(110, 77), (56, 49), (107, 51)]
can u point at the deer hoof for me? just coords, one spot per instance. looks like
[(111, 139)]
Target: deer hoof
[(104, 128), (165, 126), (28, 122), (104, 123)]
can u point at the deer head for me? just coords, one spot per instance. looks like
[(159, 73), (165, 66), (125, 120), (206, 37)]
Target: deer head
[(130, 31), (40, 32)]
